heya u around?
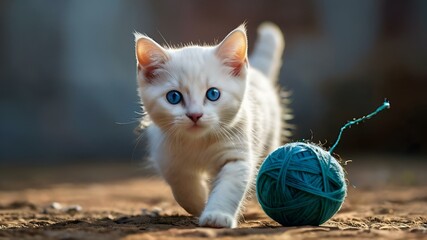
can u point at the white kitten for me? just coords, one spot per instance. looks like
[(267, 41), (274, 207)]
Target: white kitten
[(213, 117)]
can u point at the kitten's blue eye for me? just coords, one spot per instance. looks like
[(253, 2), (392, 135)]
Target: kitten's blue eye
[(174, 97), (213, 94)]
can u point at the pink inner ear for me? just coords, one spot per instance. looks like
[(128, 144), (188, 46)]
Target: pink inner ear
[(149, 73), (147, 70), (237, 67), (233, 51), (150, 57)]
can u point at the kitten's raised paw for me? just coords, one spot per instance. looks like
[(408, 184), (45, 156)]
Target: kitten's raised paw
[(217, 219)]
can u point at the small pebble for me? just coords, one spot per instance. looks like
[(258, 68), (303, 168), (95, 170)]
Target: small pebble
[(403, 226), (72, 209), (56, 205), (155, 212)]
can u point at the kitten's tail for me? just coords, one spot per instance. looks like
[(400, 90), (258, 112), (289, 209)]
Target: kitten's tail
[(267, 55)]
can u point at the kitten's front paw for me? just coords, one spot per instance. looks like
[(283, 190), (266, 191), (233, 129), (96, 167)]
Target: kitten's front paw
[(217, 220)]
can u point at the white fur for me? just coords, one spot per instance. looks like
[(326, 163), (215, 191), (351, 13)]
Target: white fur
[(211, 168)]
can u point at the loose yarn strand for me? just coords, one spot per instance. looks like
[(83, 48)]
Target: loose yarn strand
[(386, 105)]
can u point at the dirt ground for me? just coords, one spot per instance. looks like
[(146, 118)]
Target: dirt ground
[(387, 199)]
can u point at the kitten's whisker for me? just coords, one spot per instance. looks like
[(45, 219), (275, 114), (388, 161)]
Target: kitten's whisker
[(138, 140), (143, 113)]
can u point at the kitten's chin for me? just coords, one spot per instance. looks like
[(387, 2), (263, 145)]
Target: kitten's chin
[(196, 130)]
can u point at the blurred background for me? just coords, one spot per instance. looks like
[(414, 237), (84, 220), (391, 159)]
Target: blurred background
[(68, 77)]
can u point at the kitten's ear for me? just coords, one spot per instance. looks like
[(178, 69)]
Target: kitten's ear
[(233, 50), (149, 55)]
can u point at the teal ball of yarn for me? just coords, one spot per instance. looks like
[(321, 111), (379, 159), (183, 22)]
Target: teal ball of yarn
[(300, 184)]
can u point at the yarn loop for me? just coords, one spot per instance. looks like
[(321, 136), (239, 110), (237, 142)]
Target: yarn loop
[(301, 184)]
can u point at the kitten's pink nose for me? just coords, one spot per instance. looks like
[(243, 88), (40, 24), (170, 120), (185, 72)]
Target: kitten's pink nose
[(194, 116)]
